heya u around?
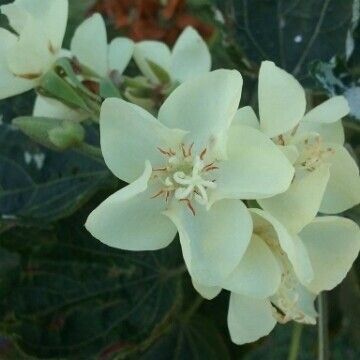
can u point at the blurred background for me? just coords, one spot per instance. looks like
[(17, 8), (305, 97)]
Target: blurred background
[(63, 295)]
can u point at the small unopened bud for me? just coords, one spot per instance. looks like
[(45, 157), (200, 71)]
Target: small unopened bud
[(68, 135)]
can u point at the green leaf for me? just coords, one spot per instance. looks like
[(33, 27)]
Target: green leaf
[(196, 338), (291, 33), (37, 184), (336, 78), (74, 297)]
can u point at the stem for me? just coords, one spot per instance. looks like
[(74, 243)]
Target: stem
[(323, 334), (90, 150), (295, 341)]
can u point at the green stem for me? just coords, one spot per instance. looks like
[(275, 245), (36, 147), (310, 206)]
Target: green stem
[(323, 334), (295, 341), (90, 150)]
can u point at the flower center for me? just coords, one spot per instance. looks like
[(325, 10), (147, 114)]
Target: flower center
[(185, 177), (313, 153)]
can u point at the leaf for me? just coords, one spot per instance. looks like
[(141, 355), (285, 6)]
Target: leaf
[(74, 296), (188, 340), (37, 184), (336, 78), (291, 33)]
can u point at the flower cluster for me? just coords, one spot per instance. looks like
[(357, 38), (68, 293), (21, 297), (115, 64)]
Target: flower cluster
[(253, 198)]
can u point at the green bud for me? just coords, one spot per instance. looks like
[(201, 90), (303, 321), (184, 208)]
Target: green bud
[(70, 134), (56, 134)]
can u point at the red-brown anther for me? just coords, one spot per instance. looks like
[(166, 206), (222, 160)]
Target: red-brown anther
[(160, 169), (211, 168), (281, 140), (158, 194), (167, 196), (183, 150), (166, 152), (190, 149), (203, 153), (189, 205)]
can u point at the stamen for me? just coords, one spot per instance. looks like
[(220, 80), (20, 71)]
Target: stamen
[(189, 205), (203, 153), (158, 194)]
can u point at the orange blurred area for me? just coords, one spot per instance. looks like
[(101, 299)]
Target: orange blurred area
[(152, 19)]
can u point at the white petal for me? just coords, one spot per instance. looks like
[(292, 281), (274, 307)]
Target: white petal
[(207, 292), (129, 135), (131, 220), (290, 151), (155, 51), (89, 44), (299, 205), (258, 273), (120, 53), (205, 107), (249, 319), (47, 107), (281, 100), (52, 15), (333, 243), (329, 132), (213, 241), (267, 227), (343, 189), (10, 84), (329, 111), (246, 116), (31, 56), (190, 56), (255, 167)]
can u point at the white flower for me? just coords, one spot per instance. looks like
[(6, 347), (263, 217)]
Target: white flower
[(326, 173), (281, 273), (28, 54), (195, 172), (189, 57), (89, 45)]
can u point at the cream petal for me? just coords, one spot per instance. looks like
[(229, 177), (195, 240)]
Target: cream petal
[(329, 111), (190, 56), (333, 244), (255, 167), (267, 227), (258, 273), (249, 319), (329, 132), (129, 135), (31, 56), (204, 107), (246, 116), (343, 189), (290, 151), (299, 205), (89, 44), (10, 84), (213, 241), (282, 100), (47, 107), (207, 292), (52, 15), (120, 53), (155, 51), (131, 219)]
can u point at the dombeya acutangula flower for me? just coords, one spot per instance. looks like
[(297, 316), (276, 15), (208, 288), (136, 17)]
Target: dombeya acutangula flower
[(30, 52), (187, 172), (90, 47), (281, 273), (326, 176)]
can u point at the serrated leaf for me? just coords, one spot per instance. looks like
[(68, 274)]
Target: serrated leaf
[(291, 33), (73, 296)]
